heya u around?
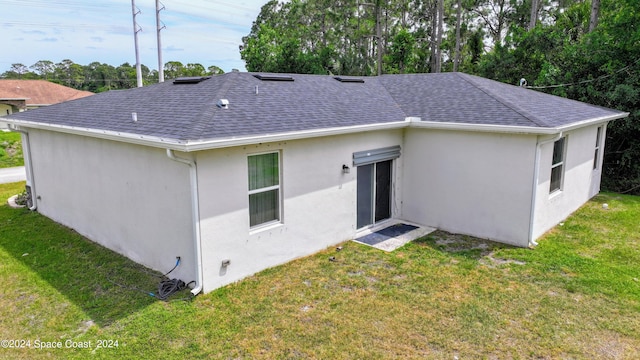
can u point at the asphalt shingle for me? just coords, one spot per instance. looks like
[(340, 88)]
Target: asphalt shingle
[(188, 112)]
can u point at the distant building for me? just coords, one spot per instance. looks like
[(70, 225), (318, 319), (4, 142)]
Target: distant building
[(21, 95)]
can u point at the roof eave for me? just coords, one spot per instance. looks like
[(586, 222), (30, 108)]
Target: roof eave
[(189, 146), (594, 121), (413, 122), (482, 127), (137, 139), (293, 135), (416, 122)]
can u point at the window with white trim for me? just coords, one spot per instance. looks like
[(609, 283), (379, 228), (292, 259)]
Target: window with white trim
[(596, 155), (557, 165), (264, 188)]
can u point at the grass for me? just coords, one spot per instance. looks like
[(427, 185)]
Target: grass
[(577, 295), (10, 150)]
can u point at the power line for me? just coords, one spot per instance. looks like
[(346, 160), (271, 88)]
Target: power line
[(55, 4), (585, 81), (59, 25)]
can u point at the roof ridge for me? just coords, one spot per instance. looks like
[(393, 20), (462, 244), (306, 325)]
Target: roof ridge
[(389, 94), (526, 114), (207, 113)]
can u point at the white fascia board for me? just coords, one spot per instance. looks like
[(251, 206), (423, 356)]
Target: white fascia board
[(482, 127), (102, 134), (294, 135), (417, 123), (594, 121), (189, 146)]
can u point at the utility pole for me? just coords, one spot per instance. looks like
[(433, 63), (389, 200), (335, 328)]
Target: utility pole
[(158, 22), (135, 11)]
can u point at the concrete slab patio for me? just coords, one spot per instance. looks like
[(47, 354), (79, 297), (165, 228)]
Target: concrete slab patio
[(394, 236)]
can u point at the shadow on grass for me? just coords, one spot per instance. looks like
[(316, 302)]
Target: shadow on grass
[(461, 245), (106, 285)]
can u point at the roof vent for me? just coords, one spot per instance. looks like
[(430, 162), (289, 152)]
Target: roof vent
[(349, 80), (190, 80), (273, 77), (223, 104)]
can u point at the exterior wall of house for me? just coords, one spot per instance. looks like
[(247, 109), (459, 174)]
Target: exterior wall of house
[(470, 183), (131, 199), (318, 201), (580, 180), (6, 109)]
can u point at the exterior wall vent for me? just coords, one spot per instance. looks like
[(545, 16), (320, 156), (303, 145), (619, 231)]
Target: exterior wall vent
[(223, 104), (273, 77)]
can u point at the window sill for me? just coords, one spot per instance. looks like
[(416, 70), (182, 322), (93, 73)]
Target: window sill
[(555, 194), (265, 227)]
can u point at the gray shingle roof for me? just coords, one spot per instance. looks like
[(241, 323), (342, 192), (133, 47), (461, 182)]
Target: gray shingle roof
[(188, 112)]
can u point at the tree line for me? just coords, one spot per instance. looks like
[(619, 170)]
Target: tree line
[(98, 77), (588, 50)]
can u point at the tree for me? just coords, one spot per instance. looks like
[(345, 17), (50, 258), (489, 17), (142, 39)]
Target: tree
[(17, 71), (595, 13), (44, 68), (192, 69), (456, 60), (600, 67), (534, 14), (173, 69), (400, 54), (214, 70)]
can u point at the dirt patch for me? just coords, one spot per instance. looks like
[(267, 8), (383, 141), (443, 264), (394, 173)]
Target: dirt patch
[(492, 261), (458, 243), (470, 246)]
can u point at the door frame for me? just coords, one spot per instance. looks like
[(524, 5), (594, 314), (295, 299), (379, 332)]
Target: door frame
[(373, 195)]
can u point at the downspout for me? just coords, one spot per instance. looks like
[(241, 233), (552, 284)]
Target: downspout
[(26, 149), (195, 211), (534, 191)]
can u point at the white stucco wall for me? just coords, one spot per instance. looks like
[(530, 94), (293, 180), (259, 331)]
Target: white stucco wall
[(581, 182), (470, 183), (4, 111), (319, 203), (128, 198)]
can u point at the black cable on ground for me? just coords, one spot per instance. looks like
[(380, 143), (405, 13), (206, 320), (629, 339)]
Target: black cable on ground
[(167, 288)]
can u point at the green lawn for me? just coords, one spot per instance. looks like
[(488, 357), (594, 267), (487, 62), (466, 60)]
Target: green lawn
[(577, 295), (10, 150)]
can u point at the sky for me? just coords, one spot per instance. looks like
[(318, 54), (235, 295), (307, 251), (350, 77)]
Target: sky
[(207, 32)]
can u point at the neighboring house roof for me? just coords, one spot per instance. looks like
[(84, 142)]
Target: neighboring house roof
[(38, 92), (186, 113)]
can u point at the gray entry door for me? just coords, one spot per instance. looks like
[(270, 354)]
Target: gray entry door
[(374, 193)]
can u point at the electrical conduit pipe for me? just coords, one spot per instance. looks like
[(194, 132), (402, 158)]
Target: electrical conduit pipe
[(195, 211)]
